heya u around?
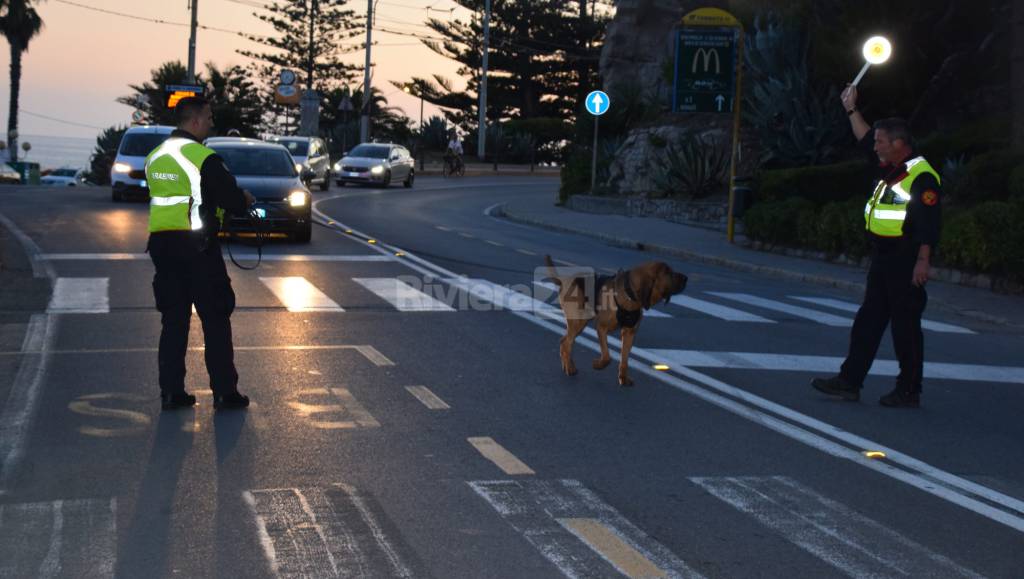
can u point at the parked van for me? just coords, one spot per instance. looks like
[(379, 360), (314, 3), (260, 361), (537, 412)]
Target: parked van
[(128, 173)]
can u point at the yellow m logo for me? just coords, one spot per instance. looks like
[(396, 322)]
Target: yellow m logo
[(707, 53)]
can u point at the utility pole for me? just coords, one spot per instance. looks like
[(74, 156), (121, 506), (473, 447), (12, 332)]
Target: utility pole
[(312, 28), (482, 131), (364, 129), (192, 43)]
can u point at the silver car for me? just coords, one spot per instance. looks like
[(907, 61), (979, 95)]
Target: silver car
[(376, 163), (311, 158)]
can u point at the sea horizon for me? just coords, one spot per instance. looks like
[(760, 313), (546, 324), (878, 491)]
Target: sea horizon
[(53, 152)]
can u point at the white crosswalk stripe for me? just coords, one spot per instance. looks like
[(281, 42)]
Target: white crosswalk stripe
[(841, 537), (719, 311), (830, 364), (332, 532), (651, 313), (80, 295), (403, 296), (298, 295), (64, 538), (578, 532), (852, 307), (800, 312)]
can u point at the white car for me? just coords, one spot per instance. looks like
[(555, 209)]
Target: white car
[(64, 177)]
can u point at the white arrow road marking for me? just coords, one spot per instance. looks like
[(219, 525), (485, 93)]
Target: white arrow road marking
[(843, 538), (830, 364), (851, 307)]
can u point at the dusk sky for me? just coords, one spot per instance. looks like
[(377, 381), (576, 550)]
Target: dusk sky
[(84, 59)]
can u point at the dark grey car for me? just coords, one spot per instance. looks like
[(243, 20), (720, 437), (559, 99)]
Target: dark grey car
[(283, 203)]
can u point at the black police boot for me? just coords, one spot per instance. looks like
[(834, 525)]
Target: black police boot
[(177, 400), (836, 386), (230, 401), (900, 397)]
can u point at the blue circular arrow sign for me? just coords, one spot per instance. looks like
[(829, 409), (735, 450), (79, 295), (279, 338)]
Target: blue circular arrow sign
[(598, 103)]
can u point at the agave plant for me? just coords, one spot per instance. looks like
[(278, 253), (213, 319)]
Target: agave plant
[(695, 167)]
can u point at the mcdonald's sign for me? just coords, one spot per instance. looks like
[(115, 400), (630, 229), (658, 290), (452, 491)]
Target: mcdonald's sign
[(705, 69)]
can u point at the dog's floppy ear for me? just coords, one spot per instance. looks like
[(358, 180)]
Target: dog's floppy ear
[(648, 276)]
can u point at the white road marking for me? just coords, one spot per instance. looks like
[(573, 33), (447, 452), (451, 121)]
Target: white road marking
[(526, 252), (322, 533), (812, 432), (843, 538), (19, 410), (830, 364), (502, 297), (851, 307), (401, 295), (497, 454), (800, 312), (247, 256), (298, 295), (718, 311), (494, 243), (63, 538), (427, 398), (369, 352), (578, 532), (80, 295), (373, 354)]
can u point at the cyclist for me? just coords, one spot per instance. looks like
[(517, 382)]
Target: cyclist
[(453, 154)]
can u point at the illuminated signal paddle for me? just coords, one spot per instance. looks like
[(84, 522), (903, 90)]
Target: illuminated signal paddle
[(876, 51)]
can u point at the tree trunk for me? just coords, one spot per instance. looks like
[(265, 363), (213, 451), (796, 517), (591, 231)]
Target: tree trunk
[(1017, 74), (12, 118)]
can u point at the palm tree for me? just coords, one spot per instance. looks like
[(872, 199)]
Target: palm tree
[(20, 23)]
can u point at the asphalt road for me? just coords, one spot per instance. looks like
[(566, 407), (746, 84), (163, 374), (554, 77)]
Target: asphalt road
[(410, 418)]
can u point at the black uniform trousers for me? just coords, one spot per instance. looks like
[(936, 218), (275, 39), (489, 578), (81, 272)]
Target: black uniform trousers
[(187, 275), (890, 299)]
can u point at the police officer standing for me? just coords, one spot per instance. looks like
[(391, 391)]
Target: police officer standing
[(190, 190), (902, 219)]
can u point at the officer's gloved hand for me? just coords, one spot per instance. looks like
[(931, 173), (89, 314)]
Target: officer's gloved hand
[(249, 199)]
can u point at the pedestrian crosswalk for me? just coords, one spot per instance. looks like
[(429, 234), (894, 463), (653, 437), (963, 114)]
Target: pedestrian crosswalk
[(296, 293)]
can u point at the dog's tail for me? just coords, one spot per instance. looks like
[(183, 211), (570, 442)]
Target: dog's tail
[(551, 271)]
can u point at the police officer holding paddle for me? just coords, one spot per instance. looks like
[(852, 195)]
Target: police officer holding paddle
[(902, 221)]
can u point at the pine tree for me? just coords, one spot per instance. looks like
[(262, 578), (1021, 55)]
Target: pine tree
[(310, 40)]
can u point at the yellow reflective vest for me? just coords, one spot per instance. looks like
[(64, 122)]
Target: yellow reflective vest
[(172, 172), (887, 209)]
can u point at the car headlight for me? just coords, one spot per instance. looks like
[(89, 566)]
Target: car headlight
[(337, 166), (298, 167), (377, 170), (122, 168), (298, 198)]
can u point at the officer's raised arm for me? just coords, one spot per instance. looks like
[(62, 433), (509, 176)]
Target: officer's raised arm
[(857, 123)]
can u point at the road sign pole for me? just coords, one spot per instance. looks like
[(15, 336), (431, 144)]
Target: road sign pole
[(737, 104), (593, 162)]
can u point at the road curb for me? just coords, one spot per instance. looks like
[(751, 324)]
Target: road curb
[(781, 273)]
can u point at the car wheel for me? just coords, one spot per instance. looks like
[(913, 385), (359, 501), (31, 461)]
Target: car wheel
[(387, 179), (304, 233), (412, 178)]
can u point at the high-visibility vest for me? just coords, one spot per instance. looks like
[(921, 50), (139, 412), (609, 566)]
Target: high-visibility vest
[(887, 209), (172, 171)]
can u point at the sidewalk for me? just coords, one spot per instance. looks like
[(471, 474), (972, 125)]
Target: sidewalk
[(487, 170), (710, 247)]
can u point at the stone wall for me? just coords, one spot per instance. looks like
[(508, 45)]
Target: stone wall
[(708, 214)]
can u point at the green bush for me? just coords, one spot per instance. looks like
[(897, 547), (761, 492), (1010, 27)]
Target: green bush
[(990, 174), (1016, 184), (821, 184), (575, 175), (986, 239), (776, 222)]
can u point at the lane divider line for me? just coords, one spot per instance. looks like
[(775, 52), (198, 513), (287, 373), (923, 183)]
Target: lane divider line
[(501, 457)]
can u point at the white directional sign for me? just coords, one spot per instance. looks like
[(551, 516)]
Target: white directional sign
[(598, 103)]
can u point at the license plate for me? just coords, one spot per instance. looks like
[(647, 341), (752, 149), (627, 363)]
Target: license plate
[(353, 174), (261, 213)]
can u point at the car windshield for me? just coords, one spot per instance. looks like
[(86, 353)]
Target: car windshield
[(64, 173), (141, 144), (257, 162), (370, 152), (297, 147)]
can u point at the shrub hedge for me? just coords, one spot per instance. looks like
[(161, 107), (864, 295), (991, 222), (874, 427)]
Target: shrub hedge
[(820, 184)]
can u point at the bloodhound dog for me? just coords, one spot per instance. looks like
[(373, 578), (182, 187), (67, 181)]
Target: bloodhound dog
[(615, 302)]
